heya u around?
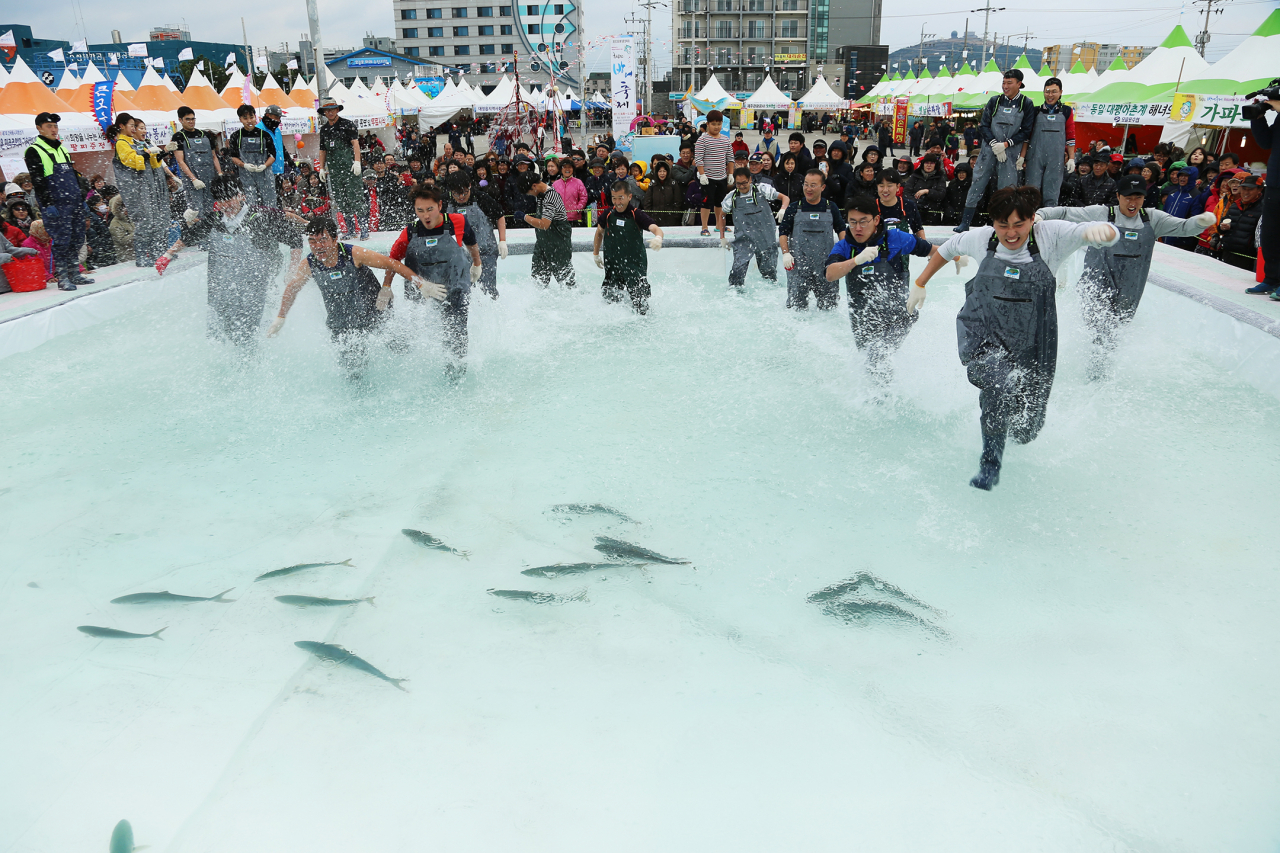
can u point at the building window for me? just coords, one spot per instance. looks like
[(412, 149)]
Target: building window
[(724, 29), (437, 50), (484, 11), (411, 51), (504, 29), (408, 14), (462, 50), (435, 13), (789, 5), (559, 7), (487, 49), (535, 29), (410, 32), (508, 49), (504, 11), (789, 30), (461, 31), (533, 10), (757, 30), (485, 31), (459, 11), (435, 32)]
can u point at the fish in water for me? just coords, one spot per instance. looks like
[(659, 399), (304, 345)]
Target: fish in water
[(311, 601), (858, 610), (342, 657), (113, 634), (156, 597), (537, 597), (866, 598), (426, 540), (592, 509), (864, 583), (572, 569), (620, 550), (122, 838), (301, 567)]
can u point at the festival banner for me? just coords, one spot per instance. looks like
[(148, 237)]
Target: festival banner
[(1213, 110), (102, 91), (1123, 113), (900, 110), (622, 68), (942, 110)]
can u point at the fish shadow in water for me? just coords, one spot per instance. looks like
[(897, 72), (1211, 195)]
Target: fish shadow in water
[(865, 599)]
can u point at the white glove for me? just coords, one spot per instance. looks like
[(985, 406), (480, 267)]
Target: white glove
[(656, 243), (1204, 220), (915, 299), (998, 148), (384, 298), (867, 255), (781, 214), (430, 288), (788, 261), (197, 183), (276, 325), (1099, 234), (154, 151), (599, 260), (702, 179), (355, 168), (190, 216), (502, 249), (962, 261), (171, 146), (1225, 225), (476, 271), (1022, 162), (323, 173)]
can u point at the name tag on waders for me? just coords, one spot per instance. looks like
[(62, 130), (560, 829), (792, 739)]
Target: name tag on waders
[(815, 215), (334, 276), (431, 241), (228, 238), (620, 221), (1131, 235), (1012, 272), (866, 270)]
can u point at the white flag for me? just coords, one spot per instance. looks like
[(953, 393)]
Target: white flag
[(231, 60), (75, 66), (292, 65), (138, 49), (115, 59), (260, 63), (186, 53), (81, 46), (57, 56)]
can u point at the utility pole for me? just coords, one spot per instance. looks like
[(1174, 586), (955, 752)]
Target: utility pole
[(964, 50), (644, 35), (248, 57), (317, 51), (986, 20), (923, 36), (648, 53), (1202, 38)]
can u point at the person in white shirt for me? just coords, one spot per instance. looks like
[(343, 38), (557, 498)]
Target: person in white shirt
[(1008, 328), (755, 232)]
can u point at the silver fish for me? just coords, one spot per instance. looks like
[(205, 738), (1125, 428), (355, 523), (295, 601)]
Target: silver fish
[(301, 567), (537, 597), (342, 657), (426, 540), (311, 601), (592, 509), (573, 569), (153, 597), (865, 584), (626, 551), (856, 610), (113, 634)]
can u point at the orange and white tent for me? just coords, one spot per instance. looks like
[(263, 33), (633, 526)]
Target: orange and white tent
[(233, 92), (271, 93), (24, 94), (152, 95), (304, 92), (67, 84)]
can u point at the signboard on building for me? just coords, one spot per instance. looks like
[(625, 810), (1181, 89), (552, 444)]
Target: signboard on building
[(369, 62), (790, 57), (1215, 110), (622, 71)]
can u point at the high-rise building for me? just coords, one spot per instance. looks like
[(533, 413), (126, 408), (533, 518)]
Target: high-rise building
[(483, 41), (1061, 58), (170, 34), (739, 41)]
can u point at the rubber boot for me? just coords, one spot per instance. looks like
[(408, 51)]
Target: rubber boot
[(989, 466), (965, 220)]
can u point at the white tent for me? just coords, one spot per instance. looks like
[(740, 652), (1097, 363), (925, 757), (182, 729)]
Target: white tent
[(1173, 61), (1116, 73), (406, 100), (820, 97), (1077, 83), (339, 93), (68, 83), (767, 97), (713, 92), (444, 106), (1251, 65)]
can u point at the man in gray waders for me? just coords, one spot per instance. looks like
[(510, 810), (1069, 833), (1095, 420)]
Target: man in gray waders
[(339, 161), (243, 246), (61, 200), (755, 234), (440, 248), (353, 300), (1008, 328), (879, 311), (621, 233), (1114, 277), (484, 214), (253, 150), (197, 158), (1007, 120), (806, 235), (1052, 143), (553, 244)]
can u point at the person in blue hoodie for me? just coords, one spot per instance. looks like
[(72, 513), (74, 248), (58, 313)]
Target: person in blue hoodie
[(1182, 202)]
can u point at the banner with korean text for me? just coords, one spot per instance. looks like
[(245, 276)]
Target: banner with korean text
[(901, 107), (622, 68)]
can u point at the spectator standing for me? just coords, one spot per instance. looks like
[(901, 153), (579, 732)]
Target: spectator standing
[(61, 200), (1239, 225)]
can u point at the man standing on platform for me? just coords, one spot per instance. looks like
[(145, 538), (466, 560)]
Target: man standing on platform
[(61, 200), (1007, 120), (196, 153), (339, 161), (1052, 144)]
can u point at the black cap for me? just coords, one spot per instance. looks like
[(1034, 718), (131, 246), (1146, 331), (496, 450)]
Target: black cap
[(1016, 74), (819, 142), (1131, 185), (1252, 181), (47, 117)]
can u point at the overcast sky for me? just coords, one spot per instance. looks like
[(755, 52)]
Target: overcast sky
[(345, 22)]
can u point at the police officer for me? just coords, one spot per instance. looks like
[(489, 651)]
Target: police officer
[(339, 161), (60, 198), (755, 232), (253, 151), (1007, 120), (483, 213), (353, 301), (1052, 144), (621, 233), (1008, 328), (197, 158), (806, 235), (1114, 276)]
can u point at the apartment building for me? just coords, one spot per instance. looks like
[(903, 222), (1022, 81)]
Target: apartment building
[(1062, 57)]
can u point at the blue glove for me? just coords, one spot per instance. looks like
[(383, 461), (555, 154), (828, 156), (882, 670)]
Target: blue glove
[(49, 210)]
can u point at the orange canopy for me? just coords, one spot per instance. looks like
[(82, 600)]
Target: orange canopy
[(199, 95), (152, 94), (24, 94)]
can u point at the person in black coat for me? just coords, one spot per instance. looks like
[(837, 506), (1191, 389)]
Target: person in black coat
[(885, 137), (1069, 194), (1097, 187), (957, 192), (863, 183), (839, 172), (790, 177), (927, 186), (872, 154)]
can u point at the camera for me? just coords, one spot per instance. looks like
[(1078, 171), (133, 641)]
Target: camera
[(1272, 93)]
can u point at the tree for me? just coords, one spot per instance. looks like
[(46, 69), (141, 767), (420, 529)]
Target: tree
[(213, 71)]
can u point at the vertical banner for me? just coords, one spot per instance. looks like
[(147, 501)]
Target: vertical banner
[(102, 102), (793, 116), (623, 73), (900, 110)]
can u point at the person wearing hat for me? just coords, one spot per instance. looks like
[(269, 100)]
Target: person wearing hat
[(62, 205), (483, 214), (271, 118), (1239, 225), (1114, 276), (1052, 144), (755, 163), (195, 152), (767, 142), (1115, 164), (1097, 187), (339, 162), (1007, 120), (254, 152)]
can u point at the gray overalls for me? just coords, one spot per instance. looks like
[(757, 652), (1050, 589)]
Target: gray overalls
[(1007, 334), (756, 234), (198, 154), (1113, 280), (486, 242), (812, 238), (350, 295), (1047, 153), (1005, 122), (878, 310), (239, 273), (259, 187), (441, 258), (138, 189)]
